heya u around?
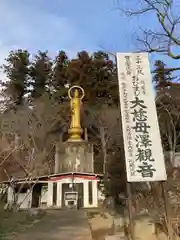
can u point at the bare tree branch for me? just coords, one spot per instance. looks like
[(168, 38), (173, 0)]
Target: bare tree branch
[(165, 41)]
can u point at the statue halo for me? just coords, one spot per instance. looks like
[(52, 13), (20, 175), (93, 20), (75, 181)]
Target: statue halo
[(76, 87)]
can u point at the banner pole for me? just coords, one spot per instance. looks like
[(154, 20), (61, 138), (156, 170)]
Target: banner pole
[(130, 211), (167, 210)]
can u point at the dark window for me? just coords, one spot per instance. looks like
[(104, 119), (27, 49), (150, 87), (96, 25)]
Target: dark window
[(54, 193), (21, 190), (90, 192)]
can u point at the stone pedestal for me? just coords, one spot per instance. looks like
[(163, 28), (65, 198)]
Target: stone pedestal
[(75, 157)]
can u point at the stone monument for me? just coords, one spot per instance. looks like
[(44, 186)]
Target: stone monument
[(76, 153)]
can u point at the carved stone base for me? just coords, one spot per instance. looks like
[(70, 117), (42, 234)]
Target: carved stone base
[(75, 157)]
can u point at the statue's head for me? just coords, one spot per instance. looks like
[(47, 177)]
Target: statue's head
[(76, 93)]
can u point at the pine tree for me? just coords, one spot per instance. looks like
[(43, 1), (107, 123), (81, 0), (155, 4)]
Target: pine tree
[(40, 73), (59, 76), (16, 69), (97, 75), (167, 103), (162, 77)]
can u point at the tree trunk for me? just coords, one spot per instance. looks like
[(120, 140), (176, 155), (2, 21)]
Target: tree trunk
[(103, 142), (57, 157)]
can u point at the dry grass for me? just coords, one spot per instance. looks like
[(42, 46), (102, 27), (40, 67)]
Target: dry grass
[(101, 224), (100, 234), (12, 223), (156, 210), (153, 202)]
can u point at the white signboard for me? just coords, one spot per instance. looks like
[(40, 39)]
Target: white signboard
[(142, 143)]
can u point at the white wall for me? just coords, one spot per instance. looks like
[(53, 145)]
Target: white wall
[(95, 193), (44, 195), (59, 194), (25, 199), (50, 194), (3, 188), (10, 197), (86, 194)]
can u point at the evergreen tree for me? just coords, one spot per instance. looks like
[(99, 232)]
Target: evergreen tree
[(115, 184), (60, 76), (97, 75), (16, 69), (167, 102), (162, 76), (40, 73)]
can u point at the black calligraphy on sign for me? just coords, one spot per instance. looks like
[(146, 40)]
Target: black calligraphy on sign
[(144, 155), (143, 142), (140, 73), (139, 115), (139, 68), (129, 140), (128, 126), (130, 150), (128, 65), (138, 103), (146, 170), (143, 88), (135, 82), (126, 103)]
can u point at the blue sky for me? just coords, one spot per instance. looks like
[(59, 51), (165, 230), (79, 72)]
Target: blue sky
[(70, 25)]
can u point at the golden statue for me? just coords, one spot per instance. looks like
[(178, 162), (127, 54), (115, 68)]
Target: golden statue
[(75, 130)]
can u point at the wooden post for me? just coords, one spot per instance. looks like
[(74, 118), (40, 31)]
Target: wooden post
[(130, 212), (167, 211)]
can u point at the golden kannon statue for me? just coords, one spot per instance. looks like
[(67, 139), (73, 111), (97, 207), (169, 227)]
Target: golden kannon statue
[(76, 96)]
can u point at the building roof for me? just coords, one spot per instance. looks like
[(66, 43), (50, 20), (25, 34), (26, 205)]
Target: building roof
[(45, 177)]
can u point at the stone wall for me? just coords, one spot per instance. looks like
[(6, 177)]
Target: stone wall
[(75, 157)]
